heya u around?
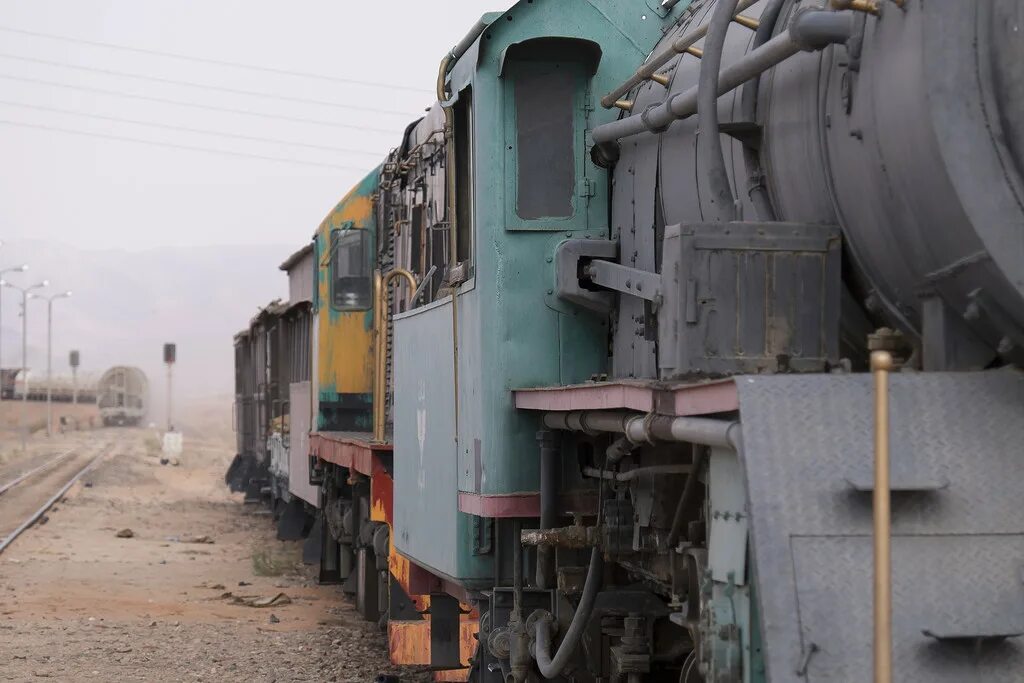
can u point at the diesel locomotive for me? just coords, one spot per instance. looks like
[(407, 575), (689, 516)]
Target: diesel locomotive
[(573, 386)]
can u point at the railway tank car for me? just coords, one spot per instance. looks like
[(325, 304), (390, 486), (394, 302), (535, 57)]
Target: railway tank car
[(122, 395), (616, 295)]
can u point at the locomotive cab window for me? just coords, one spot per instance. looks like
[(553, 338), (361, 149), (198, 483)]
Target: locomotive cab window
[(351, 281), (544, 111), (546, 91)]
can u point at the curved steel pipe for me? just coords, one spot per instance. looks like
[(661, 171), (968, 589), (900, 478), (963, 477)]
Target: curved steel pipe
[(710, 157), (810, 30), (553, 666)]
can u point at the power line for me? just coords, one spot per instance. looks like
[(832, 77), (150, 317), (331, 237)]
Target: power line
[(196, 105), (188, 129), (218, 62), (170, 145), (204, 86)]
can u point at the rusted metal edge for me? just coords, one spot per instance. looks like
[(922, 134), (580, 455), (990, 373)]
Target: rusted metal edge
[(500, 506), (704, 398), (350, 452)]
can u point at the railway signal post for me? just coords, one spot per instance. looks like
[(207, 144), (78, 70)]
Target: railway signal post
[(170, 352), (74, 361)]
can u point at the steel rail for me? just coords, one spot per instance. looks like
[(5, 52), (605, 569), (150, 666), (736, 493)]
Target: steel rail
[(46, 465), (34, 517)]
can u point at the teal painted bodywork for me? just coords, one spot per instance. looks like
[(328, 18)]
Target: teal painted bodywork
[(513, 332)]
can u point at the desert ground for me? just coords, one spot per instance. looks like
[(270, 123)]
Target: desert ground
[(151, 572)]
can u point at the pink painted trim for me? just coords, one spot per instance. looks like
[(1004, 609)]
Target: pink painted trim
[(605, 396), (704, 398), (349, 452), (508, 505)]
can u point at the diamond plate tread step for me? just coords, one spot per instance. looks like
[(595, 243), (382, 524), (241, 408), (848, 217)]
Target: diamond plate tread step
[(958, 549)]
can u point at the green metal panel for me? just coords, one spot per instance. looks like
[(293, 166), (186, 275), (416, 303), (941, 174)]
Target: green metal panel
[(512, 332)]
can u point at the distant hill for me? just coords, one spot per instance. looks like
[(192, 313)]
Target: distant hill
[(127, 304)]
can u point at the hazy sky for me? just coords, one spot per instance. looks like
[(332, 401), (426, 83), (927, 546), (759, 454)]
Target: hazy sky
[(99, 192)]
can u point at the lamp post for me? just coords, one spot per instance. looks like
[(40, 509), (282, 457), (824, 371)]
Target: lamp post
[(49, 353), (16, 269), (25, 291)]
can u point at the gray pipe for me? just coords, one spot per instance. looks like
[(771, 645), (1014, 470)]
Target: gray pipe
[(552, 667), (810, 30), (550, 465), (710, 157), (764, 210), (467, 42), (651, 428), (655, 62)]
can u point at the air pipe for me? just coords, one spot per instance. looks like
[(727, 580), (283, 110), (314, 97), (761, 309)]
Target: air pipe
[(710, 157), (651, 428), (553, 666), (756, 190), (810, 30), (681, 45), (550, 462)]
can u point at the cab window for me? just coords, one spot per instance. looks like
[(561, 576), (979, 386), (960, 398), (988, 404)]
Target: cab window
[(351, 281)]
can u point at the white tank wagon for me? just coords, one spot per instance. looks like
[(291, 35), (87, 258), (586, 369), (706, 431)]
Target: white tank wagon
[(123, 396)]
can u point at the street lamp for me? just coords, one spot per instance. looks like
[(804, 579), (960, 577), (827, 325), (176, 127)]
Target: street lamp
[(25, 291), (16, 269), (49, 353)]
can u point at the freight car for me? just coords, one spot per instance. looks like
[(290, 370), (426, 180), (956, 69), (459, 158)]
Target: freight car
[(589, 389), (122, 395)]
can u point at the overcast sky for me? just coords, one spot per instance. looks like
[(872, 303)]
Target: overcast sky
[(102, 190)]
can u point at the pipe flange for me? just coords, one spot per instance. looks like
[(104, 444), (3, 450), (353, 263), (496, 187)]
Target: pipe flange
[(499, 643), (648, 423), (645, 116)]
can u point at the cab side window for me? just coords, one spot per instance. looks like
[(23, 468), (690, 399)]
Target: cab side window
[(351, 281), (545, 95)]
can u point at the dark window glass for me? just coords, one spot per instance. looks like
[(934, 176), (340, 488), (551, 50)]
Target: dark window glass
[(544, 96), (351, 284)]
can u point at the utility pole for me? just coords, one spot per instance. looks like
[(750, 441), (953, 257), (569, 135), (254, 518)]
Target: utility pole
[(25, 293), (49, 354), (170, 351), (19, 269), (73, 359)]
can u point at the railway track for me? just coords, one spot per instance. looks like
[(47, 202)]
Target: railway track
[(28, 496)]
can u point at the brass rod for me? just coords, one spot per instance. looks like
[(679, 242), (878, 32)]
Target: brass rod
[(881, 365), (660, 79), (868, 6), (746, 22), (624, 105), (656, 61), (695, 51), (381, 284)]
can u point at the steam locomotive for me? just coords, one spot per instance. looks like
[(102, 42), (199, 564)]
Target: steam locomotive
[(572, 387)]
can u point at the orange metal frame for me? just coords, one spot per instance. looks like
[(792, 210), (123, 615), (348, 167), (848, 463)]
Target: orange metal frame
[(408, 641)]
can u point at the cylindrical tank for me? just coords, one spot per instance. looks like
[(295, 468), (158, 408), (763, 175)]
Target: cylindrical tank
[(123, 396), (909, 137)]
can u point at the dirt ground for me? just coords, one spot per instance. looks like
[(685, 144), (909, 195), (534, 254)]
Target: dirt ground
[(77, 602)]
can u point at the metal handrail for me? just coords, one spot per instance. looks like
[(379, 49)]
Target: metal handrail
[(881, 365), (381, 284)]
